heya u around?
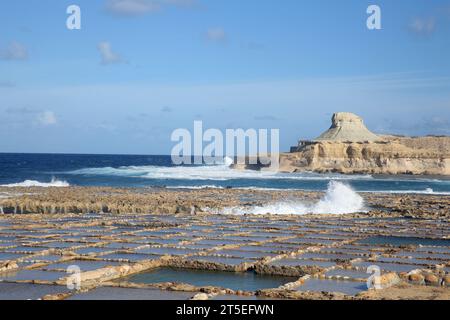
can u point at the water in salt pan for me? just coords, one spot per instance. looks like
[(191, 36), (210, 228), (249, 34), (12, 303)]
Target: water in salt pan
[(353, 274), (248, 281), (131, 257), (27, 291), (113, 293), (346, 287), (84, 265), (29, 275), (387, 266), (397, 241), (166, 251), (220, 260), (302, 263), (245, 254)]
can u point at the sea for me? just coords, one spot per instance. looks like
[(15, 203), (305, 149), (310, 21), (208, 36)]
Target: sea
[(62, 170), (342, 193)]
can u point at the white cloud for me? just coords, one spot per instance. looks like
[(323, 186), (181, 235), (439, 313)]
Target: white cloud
[(216, 34), (108, 56), (14, 51), (46, 118), (182, 3), (423, 26), (132, 7)]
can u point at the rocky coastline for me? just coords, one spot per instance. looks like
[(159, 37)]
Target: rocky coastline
[(348, 147)]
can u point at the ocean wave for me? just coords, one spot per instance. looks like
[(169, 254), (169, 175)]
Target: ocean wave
[(220, 172), (429, 191), (339, 199), (34, 183)]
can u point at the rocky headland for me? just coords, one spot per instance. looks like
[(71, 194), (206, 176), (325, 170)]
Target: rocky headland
[(348, 147)]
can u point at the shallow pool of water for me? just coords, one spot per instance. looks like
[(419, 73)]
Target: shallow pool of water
[(346, 287), (22, 275), (302, 263), (398, 241), (248, 281), (26, 291), (353, 274), (113, 293), (166, 251), (220, 260), (84, 265), (131, 257), (245, 254), (10, 256)]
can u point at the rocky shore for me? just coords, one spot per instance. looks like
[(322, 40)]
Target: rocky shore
[(118, 236), (313, 256), (79, 200)]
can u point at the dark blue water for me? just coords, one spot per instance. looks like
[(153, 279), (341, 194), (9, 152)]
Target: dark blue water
[(158, 171)]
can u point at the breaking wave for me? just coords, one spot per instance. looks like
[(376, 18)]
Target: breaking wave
[(219, 172), (34, 183), (339, 199)]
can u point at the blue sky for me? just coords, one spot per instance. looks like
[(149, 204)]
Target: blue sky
[(138, 69)]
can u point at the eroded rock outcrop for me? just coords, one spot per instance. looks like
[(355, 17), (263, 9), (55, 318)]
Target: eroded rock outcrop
[(349, 147)]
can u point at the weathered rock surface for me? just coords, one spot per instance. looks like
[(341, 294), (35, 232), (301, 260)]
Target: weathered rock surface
[(349, 147), (79, 200), (388, 157), (347, 126)]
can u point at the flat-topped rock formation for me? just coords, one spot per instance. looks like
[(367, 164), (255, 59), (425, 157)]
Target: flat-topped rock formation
[(347, 127), (349, 147)]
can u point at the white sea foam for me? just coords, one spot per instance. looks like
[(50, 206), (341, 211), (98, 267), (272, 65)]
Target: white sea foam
[(34, 183), (219, 172), (429, 191), (339, 199)]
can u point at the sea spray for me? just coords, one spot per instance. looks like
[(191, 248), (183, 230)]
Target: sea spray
[(219, 172), (339, 199), (33, 183)]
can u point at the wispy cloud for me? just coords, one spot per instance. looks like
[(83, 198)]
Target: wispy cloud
[(135, 8), (216, 34), (27, 115), (423, 26), (14, 51), (182, 3), (132, 8), (108, 56), (46, 118)]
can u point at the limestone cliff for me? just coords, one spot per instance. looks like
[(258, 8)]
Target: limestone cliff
[(426, 155), (349, 147)]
